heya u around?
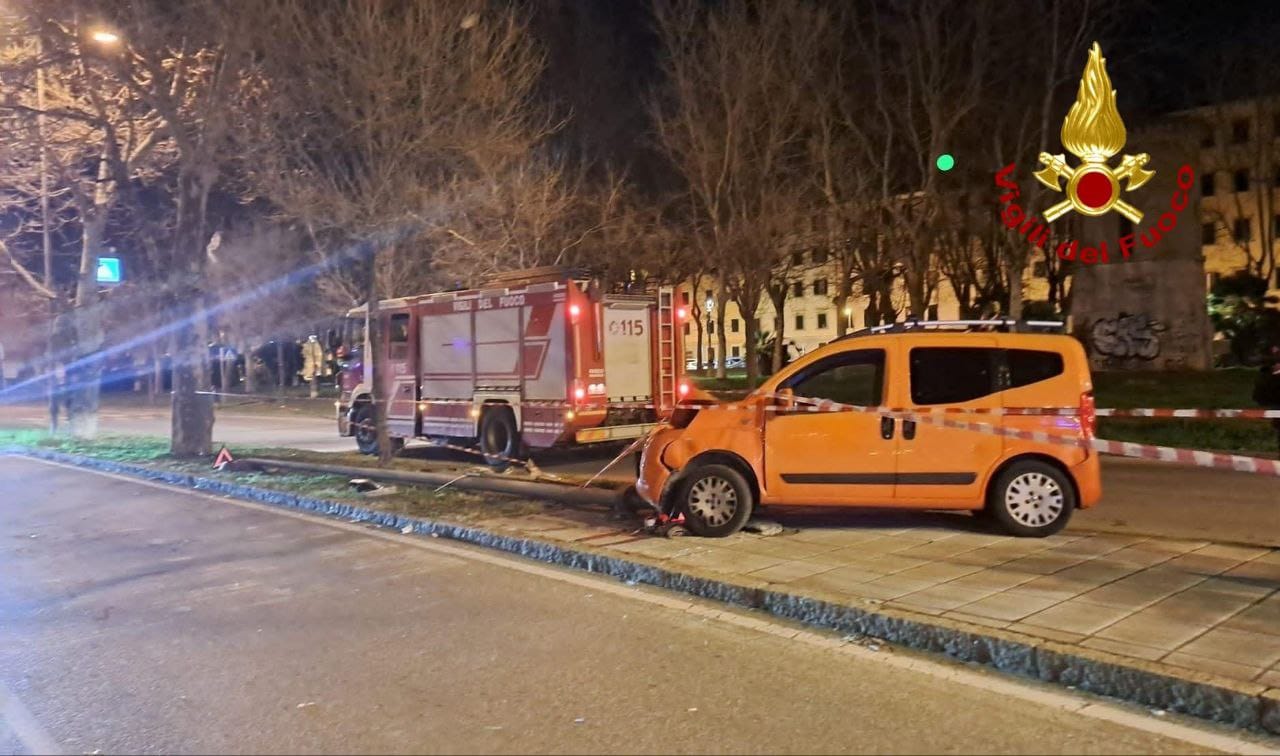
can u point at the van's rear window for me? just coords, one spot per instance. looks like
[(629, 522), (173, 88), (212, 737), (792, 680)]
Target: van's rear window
[(1028, 366)]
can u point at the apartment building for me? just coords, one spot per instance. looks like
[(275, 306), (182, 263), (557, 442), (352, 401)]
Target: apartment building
[(1239, 185)]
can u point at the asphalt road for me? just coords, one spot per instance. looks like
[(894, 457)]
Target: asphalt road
[(137, 618), (1139, 496)]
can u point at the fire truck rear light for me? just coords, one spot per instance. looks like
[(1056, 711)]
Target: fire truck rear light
[(568, 415), (684, 389), (579, 393), (574, 311), (681, 313)]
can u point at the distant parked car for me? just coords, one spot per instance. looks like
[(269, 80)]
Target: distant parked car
[(735, 363)]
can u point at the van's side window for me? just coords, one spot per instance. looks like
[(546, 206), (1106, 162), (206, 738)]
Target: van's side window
[(947, 375), (1028, 366), (855, 377)]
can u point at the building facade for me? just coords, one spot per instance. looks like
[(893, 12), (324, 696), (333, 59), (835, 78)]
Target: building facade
[(1238, 212)]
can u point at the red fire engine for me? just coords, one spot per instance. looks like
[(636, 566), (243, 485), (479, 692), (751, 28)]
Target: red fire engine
[(532, 359)]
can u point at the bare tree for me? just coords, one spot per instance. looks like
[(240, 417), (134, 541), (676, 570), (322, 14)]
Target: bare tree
[(388, 123), (62, 104), (731, 120)]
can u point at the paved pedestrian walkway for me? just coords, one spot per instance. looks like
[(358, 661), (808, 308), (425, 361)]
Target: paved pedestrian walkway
[(1196, 605)]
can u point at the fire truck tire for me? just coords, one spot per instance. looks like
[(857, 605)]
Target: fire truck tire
[(499, 439), (363, 430), (366, 436)]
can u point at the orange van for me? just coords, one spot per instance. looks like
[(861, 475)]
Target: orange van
[(716, 463)]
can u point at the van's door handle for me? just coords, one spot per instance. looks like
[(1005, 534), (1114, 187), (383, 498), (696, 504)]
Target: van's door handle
[(886, 427), (908, 429)]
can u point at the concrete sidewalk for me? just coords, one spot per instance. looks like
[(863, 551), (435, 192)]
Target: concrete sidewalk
[(1193, 605)]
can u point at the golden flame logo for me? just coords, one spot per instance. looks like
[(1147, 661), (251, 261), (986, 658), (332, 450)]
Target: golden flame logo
[(1094, 133)]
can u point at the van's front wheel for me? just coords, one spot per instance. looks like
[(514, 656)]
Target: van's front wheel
[(1032, 499), (716, 501)]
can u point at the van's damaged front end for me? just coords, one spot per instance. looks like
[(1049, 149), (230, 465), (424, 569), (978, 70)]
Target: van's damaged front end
[(692, 431)]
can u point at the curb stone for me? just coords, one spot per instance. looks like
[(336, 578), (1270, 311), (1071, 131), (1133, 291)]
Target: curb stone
[(1241, 704)]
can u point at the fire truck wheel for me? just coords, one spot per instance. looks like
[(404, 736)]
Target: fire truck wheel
[(499, 439), (366, 434)]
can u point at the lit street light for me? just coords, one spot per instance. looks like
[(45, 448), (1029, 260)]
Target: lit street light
[(104, 37)]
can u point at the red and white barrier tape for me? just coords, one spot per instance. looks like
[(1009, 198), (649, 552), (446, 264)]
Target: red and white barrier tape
[(1121, 448), (1258, 414), (808, 405)]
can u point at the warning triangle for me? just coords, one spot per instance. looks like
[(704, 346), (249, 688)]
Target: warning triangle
[(224, 456)]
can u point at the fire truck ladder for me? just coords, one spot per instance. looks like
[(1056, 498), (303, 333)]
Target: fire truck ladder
[(667, 348)]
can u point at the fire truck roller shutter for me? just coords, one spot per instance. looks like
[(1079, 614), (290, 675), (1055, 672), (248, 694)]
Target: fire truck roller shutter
[(628, 373), (445, 364)]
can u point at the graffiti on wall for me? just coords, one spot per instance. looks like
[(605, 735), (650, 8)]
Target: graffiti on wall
[(1125, 336)]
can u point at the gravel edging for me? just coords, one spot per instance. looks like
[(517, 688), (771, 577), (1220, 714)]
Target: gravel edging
[(1240, 704)]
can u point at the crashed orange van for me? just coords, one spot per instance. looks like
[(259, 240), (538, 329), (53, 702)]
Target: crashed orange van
[(716, 463)]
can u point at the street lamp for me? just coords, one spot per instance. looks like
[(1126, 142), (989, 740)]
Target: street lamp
[(848, 314), (104, 36)]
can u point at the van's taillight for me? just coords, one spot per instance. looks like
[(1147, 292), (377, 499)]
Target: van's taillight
[(1088, 415)]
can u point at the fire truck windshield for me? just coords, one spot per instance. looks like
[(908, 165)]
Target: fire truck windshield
[(352, 338)]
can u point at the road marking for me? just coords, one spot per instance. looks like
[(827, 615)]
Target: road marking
[(1126, 715), (20, 720)]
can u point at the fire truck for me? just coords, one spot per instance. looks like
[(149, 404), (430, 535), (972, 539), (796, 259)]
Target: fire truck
[(530, 360)]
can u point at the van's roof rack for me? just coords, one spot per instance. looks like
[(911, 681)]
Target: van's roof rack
[(1004, 325)]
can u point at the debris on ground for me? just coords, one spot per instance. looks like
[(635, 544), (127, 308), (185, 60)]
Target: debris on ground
[(371, 487), (242, 466), (762, 527)]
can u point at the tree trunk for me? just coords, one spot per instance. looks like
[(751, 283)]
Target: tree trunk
[(916, 293), (753, 359), (279, 366), (721, 337), (51, 367), (84, 379), (1015, 289), (191, 428), (250, 375), (156, 384), (376, 362), (779, 326), (697, 323), (84, 374), (841, 301)]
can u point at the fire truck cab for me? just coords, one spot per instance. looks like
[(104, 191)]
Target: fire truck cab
[(530, 360)]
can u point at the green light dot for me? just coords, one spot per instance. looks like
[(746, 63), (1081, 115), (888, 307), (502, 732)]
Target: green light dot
[(946, 162)]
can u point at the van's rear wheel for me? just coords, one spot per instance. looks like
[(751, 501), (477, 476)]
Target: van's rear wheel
[(499, 438), (716, 501), (1032, 499)]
